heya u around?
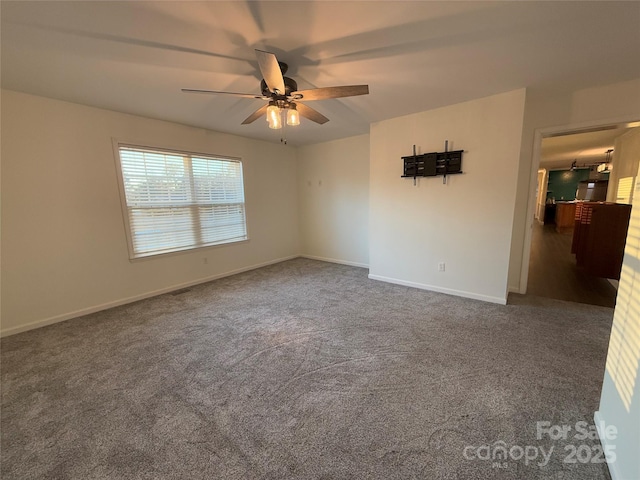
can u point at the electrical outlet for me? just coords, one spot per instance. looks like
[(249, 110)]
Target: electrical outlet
[(441, 267)]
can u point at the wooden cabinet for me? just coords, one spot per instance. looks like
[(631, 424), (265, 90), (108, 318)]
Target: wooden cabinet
[(565, 217), (599, 237)]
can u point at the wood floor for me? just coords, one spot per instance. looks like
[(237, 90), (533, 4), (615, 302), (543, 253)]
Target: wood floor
[(553, 272)]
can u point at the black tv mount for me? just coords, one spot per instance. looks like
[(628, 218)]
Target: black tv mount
[(433, 164)]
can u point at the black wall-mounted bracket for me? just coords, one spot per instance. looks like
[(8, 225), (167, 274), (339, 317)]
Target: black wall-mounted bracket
[(433, 164)]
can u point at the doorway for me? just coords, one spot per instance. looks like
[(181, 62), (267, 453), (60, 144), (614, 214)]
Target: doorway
[(572, 162)]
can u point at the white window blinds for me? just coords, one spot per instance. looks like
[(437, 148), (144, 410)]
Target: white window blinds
[(179, 201), (625, 190)]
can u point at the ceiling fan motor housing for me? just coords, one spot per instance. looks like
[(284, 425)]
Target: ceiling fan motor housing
[(290, 86)]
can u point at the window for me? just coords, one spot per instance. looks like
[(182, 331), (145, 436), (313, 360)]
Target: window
[(177, 201), (625, 190)]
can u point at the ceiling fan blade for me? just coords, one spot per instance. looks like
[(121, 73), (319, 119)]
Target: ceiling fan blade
[(261, 112), (331, 92), (271, 71), (214, 92), (311, 114)]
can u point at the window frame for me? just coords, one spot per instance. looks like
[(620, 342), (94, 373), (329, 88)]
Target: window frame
[(133, 256)]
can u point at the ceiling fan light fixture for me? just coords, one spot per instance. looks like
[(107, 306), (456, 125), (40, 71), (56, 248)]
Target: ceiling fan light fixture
[(282, 92), (273, 116), (293, 117)]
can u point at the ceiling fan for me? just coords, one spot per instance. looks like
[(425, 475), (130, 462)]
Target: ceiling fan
[(283, 95)]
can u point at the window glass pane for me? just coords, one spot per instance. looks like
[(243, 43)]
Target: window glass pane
[(222, 222), (160, 229), (153, 179), (217, 182)]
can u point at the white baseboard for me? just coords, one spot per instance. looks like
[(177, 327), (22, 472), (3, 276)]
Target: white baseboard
[(448, 291), (599, 421), (97, 308), (135, 298), (333, 260)]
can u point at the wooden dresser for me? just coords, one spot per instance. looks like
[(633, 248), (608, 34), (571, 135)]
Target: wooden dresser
[(599, 237)]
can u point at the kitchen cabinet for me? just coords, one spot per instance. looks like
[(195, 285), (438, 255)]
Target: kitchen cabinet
[(565, 217)]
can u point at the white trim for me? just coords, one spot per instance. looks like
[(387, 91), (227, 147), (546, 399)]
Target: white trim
[(448, 291), (531, 208), (539, 134), (333, 260), (123, 198), (599, 421), (177, 151), (135, 298)]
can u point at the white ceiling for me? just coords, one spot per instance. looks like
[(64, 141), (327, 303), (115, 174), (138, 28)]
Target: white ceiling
[(135, 56), (586, 148)]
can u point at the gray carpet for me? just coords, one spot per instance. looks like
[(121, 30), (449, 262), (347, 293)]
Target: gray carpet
[(302, 370)]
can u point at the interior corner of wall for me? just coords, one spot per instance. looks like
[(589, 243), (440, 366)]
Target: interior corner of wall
[(511, 288)]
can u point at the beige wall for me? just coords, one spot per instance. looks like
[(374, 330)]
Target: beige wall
[(64, 250), (333, 186), (593, 106), (467, 223), (620, 399)]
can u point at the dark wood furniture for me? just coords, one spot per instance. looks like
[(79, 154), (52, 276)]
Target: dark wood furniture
[(550, 214), (599, 236)]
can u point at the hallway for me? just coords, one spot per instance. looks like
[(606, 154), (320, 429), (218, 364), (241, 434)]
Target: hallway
[(553, 272)]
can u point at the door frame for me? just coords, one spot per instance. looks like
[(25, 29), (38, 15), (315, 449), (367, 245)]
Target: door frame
[(547, 132)]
